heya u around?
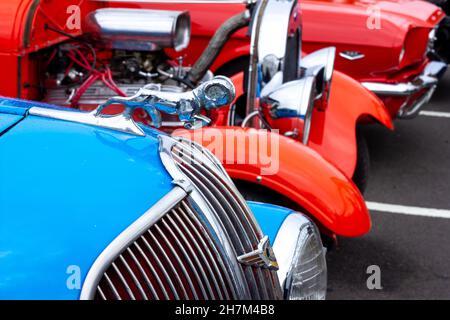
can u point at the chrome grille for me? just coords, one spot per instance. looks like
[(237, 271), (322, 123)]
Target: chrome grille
[(230, 209), (176, 258), (187, 245)]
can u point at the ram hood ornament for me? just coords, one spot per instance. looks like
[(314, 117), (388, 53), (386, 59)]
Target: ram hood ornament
[(211, 94)]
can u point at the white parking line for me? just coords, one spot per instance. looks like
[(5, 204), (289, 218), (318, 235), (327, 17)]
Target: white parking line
[(412, 211), (435, 114)]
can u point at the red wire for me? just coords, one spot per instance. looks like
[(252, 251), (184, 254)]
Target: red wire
[(113, 84), (51, 57), (82, 89), (105, 76)]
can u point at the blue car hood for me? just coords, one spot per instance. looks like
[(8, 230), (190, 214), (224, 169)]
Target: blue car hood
[(66, 191)]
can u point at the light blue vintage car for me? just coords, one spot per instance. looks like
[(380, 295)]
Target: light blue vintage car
[(99, 207)]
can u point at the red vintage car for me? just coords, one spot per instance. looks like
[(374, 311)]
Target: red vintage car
[(53, 51), (391, 47)]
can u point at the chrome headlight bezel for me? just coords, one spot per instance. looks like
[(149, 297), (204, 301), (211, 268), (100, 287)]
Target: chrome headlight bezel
[(289, 247)]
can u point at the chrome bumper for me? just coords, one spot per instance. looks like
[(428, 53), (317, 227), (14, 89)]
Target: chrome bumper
[(426, 82)]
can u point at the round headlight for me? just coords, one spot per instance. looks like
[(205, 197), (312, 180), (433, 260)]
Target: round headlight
[(301, 258)]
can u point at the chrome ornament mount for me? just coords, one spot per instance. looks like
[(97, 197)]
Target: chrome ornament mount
[(211, 94), (263, 256)]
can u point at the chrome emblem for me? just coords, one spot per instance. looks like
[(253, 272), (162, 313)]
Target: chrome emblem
[(351, 55), (263, 256)]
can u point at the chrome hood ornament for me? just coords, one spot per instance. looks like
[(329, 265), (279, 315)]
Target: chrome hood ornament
[(263, 256), (211, 94)]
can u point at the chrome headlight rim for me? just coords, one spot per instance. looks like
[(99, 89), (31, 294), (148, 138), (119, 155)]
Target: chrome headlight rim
[(289, 245)]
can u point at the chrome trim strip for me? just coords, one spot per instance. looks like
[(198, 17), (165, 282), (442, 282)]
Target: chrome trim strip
[(118, 122), (126, 238)]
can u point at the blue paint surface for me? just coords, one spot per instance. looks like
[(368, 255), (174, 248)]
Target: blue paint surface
[(66, 191), (270, 217), (8, 120)]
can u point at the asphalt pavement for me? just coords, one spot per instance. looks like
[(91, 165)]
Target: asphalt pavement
[(410, 167)]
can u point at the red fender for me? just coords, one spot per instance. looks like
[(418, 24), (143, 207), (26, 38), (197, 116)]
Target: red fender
[(333, 132), (292, 170)]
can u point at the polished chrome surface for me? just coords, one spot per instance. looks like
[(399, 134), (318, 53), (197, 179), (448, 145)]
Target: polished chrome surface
[(263, 256), (139, 29), (401, 89), (410, 110), (274, 24), (276, 28), (186, 105), (226, 211), (321, 65), (429, 78), (286, 242), (432, 38), (291, 99), (118, 122)]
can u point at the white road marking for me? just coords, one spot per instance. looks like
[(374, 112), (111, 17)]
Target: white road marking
[(413, 211), (435, 114)]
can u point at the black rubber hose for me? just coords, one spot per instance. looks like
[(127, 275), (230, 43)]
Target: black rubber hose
[(216, 44)]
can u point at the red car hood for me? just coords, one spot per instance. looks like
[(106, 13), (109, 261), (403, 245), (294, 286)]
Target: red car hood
[(396, 18), (421, 12)]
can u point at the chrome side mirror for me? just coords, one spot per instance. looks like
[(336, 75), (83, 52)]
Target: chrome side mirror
[(320, 64), (211, 94), (293, 99)]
